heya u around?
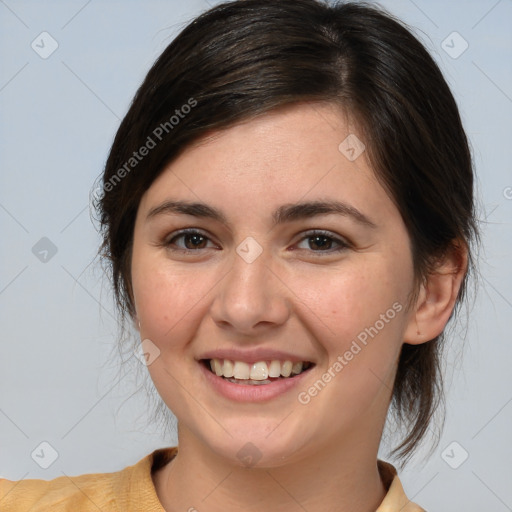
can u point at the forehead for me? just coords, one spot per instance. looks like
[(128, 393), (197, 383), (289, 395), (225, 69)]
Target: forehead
[(302, 152), (305, 129)]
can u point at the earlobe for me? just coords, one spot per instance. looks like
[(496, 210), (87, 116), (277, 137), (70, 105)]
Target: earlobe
[(437, 297)]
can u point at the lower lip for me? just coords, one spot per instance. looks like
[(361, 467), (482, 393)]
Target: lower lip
[(248, 392)]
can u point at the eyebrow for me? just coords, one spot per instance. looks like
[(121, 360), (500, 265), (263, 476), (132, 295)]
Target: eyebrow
[(283, 214)]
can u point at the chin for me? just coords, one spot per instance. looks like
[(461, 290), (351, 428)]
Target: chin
[(253, 447)]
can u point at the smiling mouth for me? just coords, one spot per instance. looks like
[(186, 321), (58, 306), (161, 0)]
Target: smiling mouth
[(255, 374)]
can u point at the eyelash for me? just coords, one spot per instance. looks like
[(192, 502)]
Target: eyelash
[(343, 245)]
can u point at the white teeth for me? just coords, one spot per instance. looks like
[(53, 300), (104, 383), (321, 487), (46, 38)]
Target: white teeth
[(297, 368), (274, 370), (228, 368), (286, 369), (216, 367), (241, 370), (257, 372)]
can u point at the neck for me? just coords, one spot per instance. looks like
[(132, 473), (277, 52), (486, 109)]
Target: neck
[(344, 479)]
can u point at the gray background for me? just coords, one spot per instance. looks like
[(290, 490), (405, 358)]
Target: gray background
[(61, 380)]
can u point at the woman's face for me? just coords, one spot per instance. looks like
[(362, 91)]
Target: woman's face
[(263, 277)]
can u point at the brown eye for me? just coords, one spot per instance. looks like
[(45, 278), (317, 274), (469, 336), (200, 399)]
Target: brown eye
[(192, 240), (321, 241)]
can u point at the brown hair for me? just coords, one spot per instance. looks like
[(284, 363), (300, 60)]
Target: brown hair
[(247, 57)]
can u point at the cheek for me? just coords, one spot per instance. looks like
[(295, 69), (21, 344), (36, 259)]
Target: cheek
[(347, 303), (360, 325), (169, 306), (337, 307), (167, 300)]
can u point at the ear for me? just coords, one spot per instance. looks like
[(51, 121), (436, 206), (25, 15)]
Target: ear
[(437, 296)]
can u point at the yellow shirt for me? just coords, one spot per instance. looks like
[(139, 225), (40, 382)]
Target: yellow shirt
[(132, 490)]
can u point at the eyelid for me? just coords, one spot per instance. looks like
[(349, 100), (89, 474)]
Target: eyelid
[(186, 231), (343, 243)]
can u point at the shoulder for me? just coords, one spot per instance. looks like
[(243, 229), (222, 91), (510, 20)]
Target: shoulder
[(90, 492), (395, 499), (84, 492)]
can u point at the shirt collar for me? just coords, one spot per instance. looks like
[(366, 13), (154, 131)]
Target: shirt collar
[(139, 483)]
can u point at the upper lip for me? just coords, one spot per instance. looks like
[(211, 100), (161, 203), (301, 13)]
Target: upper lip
[(253, 355)]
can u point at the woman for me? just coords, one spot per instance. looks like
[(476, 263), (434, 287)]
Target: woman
[(287, 209)]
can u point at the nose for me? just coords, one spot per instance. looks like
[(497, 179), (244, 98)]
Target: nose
[(251, 297)]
